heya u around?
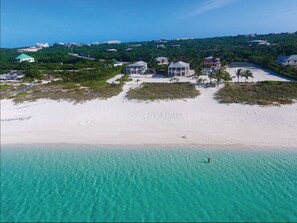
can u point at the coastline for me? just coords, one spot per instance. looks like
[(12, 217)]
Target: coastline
[(117, 121), (198, 147)]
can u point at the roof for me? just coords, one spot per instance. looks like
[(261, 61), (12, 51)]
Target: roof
[(139, 63), (161, 58), (292, 57), (23, 56), (179, 64)]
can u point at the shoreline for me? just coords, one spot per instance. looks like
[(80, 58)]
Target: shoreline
[(198, 147)]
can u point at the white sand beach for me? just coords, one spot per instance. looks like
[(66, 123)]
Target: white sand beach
[(118, 121)]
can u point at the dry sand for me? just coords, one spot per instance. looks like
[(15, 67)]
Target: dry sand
[(118, 121)]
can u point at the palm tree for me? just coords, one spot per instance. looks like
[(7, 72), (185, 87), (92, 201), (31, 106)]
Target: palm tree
[(246, 74), (239, 73), (222, 74)]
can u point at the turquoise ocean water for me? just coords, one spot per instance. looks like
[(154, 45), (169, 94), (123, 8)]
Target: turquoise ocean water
[(111, 184)]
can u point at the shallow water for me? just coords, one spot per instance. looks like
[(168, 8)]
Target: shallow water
[(111, 184)]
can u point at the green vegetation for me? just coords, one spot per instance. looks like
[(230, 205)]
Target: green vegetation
[(85, 78), (261, 93), (4, 87), (229, 49), (156, 91), (8, 90), (69, 92)]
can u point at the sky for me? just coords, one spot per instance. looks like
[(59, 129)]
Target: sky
[(26, 22)]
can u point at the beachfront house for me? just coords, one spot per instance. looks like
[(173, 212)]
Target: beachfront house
[(211, 62), (287, 60), (24, 57), (162, 60), (139, 67), (179, 69)]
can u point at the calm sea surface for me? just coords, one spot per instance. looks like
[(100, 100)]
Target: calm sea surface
[(110, 184)]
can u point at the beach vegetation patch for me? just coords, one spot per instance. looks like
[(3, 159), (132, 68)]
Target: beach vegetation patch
[(161, 91), (70, 92), (261, 93)]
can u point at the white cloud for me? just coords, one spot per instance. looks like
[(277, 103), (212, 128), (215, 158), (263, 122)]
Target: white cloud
[(207, 6)]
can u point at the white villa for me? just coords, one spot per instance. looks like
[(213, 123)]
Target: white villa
[(179, 69), (287, 60), (139, 67), (162, 60), (24, 57)]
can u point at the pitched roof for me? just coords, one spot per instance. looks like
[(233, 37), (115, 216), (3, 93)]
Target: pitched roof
[(23, 56), (179, 64), (139, 63), (292, 57)]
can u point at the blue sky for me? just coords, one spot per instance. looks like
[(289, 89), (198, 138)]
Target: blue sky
[(25, 22)]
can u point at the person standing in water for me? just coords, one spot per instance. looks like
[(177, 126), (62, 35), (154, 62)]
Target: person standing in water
[(208, 160)]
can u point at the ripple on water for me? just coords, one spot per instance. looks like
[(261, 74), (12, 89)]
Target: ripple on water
[(103, 184)]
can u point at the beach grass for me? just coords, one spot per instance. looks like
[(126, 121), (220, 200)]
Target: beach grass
[(8, 90), (70, 92), (160, 91), (261, 93), (4, 87)]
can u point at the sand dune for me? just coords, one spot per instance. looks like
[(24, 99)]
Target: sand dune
[(118, 121)]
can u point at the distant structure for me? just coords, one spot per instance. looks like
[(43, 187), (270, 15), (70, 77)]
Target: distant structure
[(251, 35), (160, 41), (179, 69), (258, 42), (162, 60), (160, 46), (24, 57), (42, 45), (95, 43), (182, 39), (139, 67), (12, 75), (287, 60), (136, 45), (117, 63), (111, 50), (113, 42), (30, 49)]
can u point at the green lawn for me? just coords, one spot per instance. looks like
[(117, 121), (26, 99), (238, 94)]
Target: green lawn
[(261, 93), (159, 91)]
